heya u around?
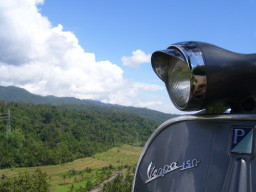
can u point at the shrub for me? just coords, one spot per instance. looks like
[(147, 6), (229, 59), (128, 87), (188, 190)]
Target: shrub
[(25, 182)]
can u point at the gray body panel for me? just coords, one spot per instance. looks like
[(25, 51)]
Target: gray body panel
[(193, 154)]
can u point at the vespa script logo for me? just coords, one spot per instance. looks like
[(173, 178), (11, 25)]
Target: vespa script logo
[(154, 173)]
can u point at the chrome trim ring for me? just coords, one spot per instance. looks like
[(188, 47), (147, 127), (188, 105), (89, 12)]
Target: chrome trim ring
[(198, 81)]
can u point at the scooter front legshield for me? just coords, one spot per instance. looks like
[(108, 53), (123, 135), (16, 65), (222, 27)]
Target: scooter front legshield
[(203, 153)]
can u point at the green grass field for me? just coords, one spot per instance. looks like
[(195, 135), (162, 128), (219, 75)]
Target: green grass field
[(76, 173)]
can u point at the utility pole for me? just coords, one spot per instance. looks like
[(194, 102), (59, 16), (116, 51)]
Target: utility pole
[(8, 129)]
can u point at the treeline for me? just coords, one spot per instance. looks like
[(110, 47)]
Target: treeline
[(42, 135), (19, 95)]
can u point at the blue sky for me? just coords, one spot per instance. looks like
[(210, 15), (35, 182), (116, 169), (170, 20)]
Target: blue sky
[(113, 29)]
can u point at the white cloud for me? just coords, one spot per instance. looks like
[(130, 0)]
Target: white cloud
[(47, 60), (138, 57), (129, 96)]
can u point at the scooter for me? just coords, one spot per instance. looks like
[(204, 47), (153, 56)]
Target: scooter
[(215, 149)]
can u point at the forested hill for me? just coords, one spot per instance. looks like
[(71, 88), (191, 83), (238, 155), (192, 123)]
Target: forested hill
[(19, 95), (16, 94), (33, 135), (36, 130)]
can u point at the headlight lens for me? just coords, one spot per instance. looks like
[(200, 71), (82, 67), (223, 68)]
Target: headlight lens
[(178, 84)]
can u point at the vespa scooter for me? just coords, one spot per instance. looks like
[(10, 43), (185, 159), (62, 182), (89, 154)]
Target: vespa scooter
[(205, 152)]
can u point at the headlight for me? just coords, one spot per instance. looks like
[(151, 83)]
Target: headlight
[(182, 69), (198, 74)]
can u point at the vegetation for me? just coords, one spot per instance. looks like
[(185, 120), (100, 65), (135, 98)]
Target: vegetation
[(19, 95), (122, 183), (100, 176), (69, 140), (44, 135), (25, 182), (85, 172)]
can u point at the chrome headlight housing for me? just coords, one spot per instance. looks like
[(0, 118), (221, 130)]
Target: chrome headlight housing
[(182, 68)]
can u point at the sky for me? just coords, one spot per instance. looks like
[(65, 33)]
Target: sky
[(101, 49)]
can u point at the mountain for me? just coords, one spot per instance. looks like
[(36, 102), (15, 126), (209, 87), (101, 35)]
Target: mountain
[(19, 95)]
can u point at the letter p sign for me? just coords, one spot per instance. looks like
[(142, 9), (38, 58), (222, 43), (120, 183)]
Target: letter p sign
[(238, 133), (242, 140)]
